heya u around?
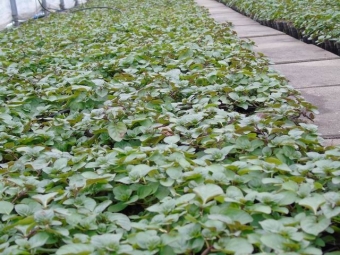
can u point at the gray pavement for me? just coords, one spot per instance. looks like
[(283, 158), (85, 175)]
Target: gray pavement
[(235, 18), (210, 4), (219, 10), (256, 30), (285, 49), (312, 74), (331, 142), (310, 69), (327, 101)]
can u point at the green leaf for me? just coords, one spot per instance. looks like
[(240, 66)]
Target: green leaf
[(314, 225), (167, 182), (44, 216), (167, 250), (313, 202), (78, 249), (148, 240), (208, 192), (89, 203), (107, 241), (173, 74), (117, 131), (60, 163), (271, 226), (336, 180), (174, 172), (290, 185), (122, 193), (38, 240), (184, 199), (234, 193), (117, 207), (23, 210), (139, 171), (172, 139), (44, 199), (147, 190), (288, 198), (243, 142), (102, 206), (237, 246), (311, 250), (221, 218), (238, 215), (6, 207), (190, 231), (330, 211), (259, 208), (121, 220), (62, 231), (185, 54), (274, 241), (330, 208)]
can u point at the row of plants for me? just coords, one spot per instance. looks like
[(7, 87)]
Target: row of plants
[(155, 130), (312, 21)]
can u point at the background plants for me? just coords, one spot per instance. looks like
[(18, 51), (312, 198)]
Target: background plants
[(317, 21), (156, 131)]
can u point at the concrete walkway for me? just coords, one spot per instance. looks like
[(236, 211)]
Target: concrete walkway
[(310, 69)]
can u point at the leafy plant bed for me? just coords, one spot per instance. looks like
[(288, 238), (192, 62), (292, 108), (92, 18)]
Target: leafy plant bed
[(156, 131), (314, 22)]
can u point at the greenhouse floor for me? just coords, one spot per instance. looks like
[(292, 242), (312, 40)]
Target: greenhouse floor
[(310, 69)]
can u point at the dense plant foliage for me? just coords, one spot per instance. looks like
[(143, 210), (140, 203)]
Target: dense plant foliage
[(319, 20), (156, 131)]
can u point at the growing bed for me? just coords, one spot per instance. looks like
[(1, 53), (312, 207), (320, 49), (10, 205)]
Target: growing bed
[(312, 21), (155, 130)]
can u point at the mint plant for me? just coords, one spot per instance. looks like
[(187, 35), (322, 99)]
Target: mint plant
[(156, 131)]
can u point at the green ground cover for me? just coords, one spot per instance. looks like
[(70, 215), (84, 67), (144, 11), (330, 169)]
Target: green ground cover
[(318, 20), (156, 131)]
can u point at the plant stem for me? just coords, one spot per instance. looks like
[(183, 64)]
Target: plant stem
[(207, 250)]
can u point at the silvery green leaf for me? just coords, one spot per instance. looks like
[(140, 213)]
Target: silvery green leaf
[(6, 207), (207, 192), (117, 131), (45, 199)]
